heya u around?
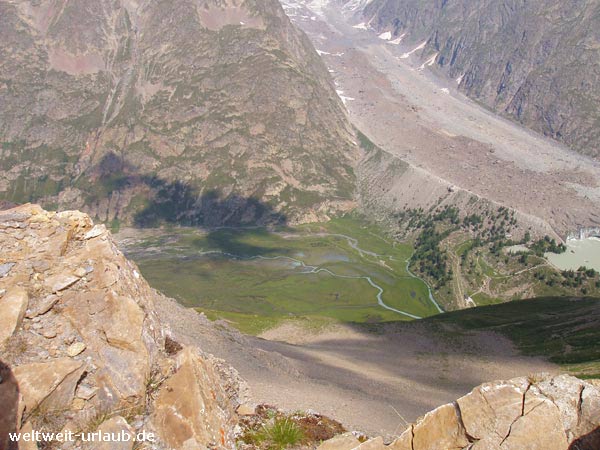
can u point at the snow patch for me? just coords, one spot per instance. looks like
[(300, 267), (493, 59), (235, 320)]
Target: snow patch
[(317, 6), (397, 40), (445, 91), (322, 52), (420, 47), (360, 26), (459, 79), (341, 95), (385, 36), (356, 5), (429, 62)]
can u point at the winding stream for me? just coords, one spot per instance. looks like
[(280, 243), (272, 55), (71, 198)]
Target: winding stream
[(353, 243), (317, 269), (426, 284)]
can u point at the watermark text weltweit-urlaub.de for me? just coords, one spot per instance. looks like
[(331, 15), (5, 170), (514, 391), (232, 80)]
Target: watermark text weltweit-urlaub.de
[(69, 436)]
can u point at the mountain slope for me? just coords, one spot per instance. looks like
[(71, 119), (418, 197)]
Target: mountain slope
[(86, 345), (197, 112), (562, 329), (536, 62)]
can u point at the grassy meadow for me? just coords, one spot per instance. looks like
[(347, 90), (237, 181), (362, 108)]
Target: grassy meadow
[(255, 278)]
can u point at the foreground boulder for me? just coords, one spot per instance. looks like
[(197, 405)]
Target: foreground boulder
[(190, 410), (549, 413), (82, 350), (13, 305)]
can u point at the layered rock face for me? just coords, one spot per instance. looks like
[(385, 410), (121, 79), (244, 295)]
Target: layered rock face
[(545, 413), (535, 62), (211, 112), (81, 348)]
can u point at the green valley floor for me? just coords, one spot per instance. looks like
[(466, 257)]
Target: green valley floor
[(344, 270)]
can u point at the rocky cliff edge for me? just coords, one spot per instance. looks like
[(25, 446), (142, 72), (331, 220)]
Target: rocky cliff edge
[(82, 350)]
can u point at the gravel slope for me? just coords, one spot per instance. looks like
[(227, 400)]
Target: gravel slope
[(366, 380)]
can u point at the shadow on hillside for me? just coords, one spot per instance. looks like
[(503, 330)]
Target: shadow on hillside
[(410, 370), (244, 242), (564, 330), (181, 204), (9, 401), (177, 202), (454, 352)]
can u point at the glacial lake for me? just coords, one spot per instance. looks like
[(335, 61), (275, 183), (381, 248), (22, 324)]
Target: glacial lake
[(584, 252)]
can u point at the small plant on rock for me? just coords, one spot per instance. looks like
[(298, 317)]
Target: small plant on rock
[(279, 434)]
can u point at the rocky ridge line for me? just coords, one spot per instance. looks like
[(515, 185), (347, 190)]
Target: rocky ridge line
[(532, 62), (197, 112)]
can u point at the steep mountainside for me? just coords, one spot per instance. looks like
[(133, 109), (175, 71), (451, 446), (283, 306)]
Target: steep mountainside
[(536, 62), (190, 111)]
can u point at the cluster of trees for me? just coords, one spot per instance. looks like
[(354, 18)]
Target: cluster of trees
[(490, 226), (578, 279), (506, 216), (491, 229), (430, 259), (447, 213), (474, 220), (417, 219), (436, 225), (547, 245)]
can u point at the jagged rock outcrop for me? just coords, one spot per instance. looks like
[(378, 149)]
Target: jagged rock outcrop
[(14, 305), (535, 62), (212, 112), (204, 404), (83, 350), (535, 413)]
